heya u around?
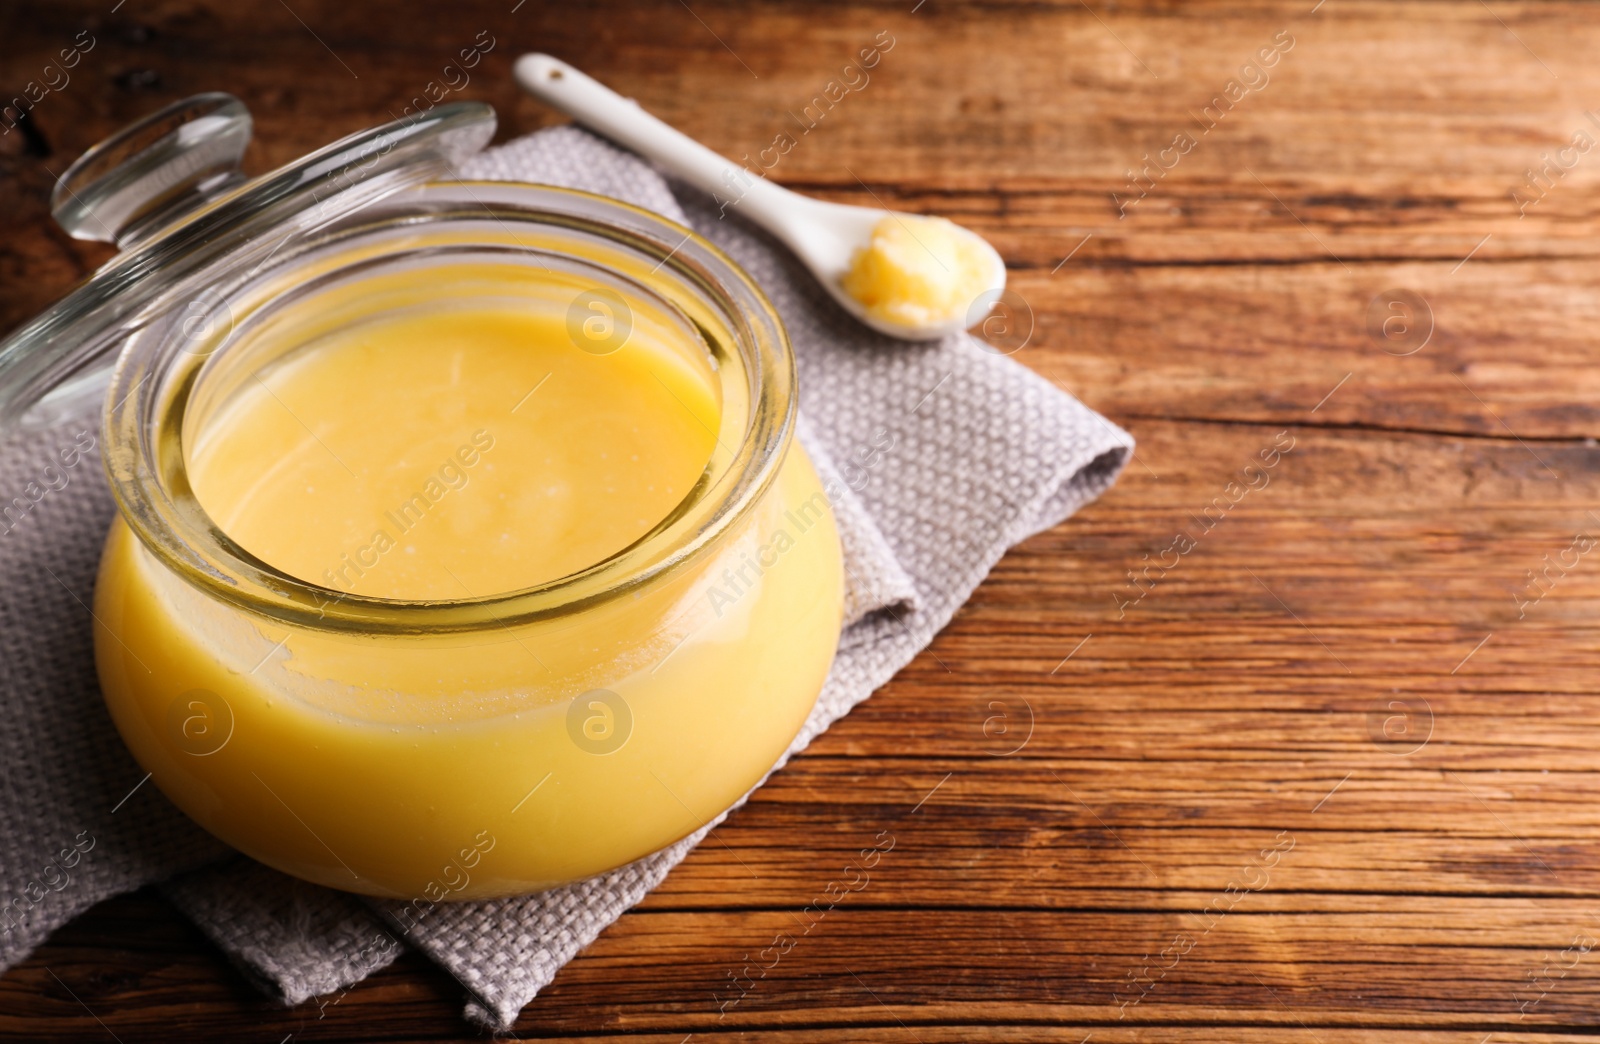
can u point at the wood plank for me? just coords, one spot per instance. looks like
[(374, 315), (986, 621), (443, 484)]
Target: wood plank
[(1268, 343), (1440, 963), (1101, 834), (1423, 964)]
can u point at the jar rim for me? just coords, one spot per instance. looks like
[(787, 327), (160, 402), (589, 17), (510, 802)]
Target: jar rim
[(155, 375)]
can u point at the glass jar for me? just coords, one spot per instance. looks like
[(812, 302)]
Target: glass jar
[(491, 742)]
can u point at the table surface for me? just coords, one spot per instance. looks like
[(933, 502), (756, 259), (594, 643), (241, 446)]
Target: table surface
[(1322, 776)]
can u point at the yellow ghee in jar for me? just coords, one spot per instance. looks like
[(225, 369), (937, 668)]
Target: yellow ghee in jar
[(454, 453), (436, 456)]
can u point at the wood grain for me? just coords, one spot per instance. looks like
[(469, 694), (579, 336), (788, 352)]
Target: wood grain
[(1352, 660)]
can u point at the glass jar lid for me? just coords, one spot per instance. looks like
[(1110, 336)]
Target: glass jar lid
[(168, 191)]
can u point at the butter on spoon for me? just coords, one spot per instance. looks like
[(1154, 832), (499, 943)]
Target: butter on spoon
[(911, 277)]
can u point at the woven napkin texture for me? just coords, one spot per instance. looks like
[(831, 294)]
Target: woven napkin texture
[(942, 456)]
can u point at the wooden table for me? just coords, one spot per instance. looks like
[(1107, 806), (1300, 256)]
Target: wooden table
[(1331, 777)]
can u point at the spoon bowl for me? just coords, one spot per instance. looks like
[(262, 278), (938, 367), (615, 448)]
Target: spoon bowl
[(824, 236)]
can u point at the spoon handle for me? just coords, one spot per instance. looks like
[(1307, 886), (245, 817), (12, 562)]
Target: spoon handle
[(598, 107)]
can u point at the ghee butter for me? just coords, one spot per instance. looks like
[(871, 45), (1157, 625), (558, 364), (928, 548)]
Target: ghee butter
[(919, 271)]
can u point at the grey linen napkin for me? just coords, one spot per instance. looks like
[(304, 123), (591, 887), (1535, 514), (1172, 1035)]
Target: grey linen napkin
[(939, 457)]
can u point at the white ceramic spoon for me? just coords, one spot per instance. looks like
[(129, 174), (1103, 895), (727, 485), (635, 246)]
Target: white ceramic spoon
[(825, 236)]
